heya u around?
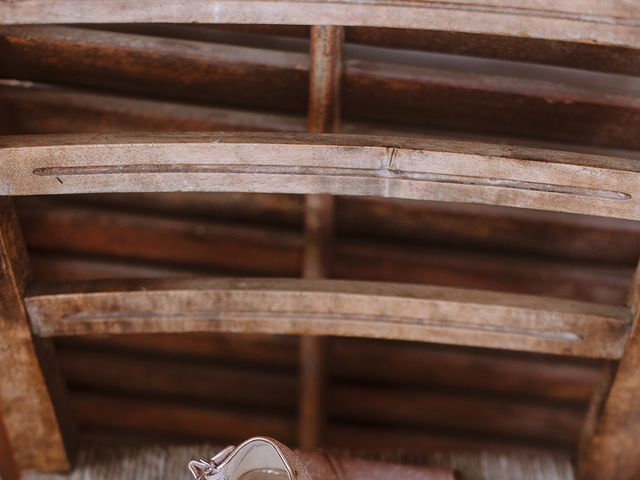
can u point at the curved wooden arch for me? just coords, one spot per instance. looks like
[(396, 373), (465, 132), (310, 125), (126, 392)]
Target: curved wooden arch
[(424, 169), (333, 307), (610, 22)]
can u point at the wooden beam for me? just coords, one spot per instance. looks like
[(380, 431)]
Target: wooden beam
[(609, 23), (332, 307), (418, 169), (33, 426), (518, 375), (612, 450), (43, 108), (8, 467), (518, 49), (324, 117)]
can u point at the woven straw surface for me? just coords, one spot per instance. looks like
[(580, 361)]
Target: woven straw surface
[(100, 462)]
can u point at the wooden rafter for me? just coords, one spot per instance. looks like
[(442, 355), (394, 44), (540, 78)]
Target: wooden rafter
[(332, 307), (612, 22), (297, 163)]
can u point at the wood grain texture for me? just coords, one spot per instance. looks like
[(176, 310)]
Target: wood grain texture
[(186, 382), (327, 307), (520, 49), (83, 238), (611, 452), (350, 165), (614, 22), (599, 240), (41, 108), (323, 117), (409, 96), (8, 466), (405, 365), (33, 427)]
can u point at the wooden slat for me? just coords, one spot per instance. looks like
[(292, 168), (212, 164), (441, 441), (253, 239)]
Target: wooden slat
[(402, 365), (33, 426), (611, 451), (76, 241), (478, 227), (220, 386), (262, 389), (173, 244), (611, 22), (169, 419), (474, 227), (411, 96), (519, 49), (326, 307), (561, 380), (41, 108), (483, 270), (275, 352), (461, 411), (348, 165)]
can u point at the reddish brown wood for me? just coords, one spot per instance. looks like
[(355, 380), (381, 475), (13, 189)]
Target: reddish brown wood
[(92, 246), (323, 117), (33, 426), (167, 419), (519, 49), (401, 365), (272, 393), (44, 108), (611, 452), (431, 224), (409, 97), (561, 53), (560, 380), (8, 466)]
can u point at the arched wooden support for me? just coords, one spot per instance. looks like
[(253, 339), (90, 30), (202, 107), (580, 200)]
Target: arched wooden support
[(425, 169), (611, 22), (332, 307)]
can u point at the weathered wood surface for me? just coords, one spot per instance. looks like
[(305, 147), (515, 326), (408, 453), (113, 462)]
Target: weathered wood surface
[(252, 376), (8, 466), (599, 240), (517, 375), (592, 57), (348, 165), (42, 108), (412, 96), (328, 307), (612, 451), (586, 56), (323, 117), (33, 427), (273, 395), (613, 22), (75, 240)]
